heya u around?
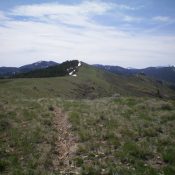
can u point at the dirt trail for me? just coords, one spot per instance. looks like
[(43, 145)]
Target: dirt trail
[(65, 146)]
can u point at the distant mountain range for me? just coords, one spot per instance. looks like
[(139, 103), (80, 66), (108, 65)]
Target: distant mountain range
[(158, 73), (54, 70), (11, 71), (50, 68), (78, 79)]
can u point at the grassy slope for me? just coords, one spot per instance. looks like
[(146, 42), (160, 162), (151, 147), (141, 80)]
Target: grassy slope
[(90, 83), (126, 136), (135, 134), (26, 136)]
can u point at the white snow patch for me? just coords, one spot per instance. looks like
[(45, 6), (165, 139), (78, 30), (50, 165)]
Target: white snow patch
[(71, 73), (79, 63)]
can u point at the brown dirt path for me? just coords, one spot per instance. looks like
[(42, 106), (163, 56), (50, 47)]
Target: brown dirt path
[(66, 144)]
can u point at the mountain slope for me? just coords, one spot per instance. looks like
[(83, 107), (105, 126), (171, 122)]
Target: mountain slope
[(63, 69), (159, 73), (36, 136), (137, 85), (9, 71), (37, 65), (90, 82)]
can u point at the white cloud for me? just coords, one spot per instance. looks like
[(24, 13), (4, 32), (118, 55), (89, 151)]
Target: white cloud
[(3, 17), (84, 8), (38, 10), (131, 18), (163, 19), (125, 7), (68, 14), (49, 34)]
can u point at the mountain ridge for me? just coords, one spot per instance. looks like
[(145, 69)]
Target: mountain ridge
[(89, 82), (10, 71), (166, 73), (63, 69), (158, 73)]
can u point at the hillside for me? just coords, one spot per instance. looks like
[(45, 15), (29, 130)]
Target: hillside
[(158, 73), (7, 71), (63, 69), (93, 123), (44, 135), (90, 82), (11, 71)]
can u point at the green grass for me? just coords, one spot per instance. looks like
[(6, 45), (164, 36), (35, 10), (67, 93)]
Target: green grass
[(111, 142), (90, 83), (27, 137), (129, 135)]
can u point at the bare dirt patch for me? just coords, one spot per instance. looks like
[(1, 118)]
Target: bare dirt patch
[(66, 144)]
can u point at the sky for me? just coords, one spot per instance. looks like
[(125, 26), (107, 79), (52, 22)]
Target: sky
[(128, 33)]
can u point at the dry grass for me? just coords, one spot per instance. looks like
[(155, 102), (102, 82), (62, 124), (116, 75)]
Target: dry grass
[(124, 135)]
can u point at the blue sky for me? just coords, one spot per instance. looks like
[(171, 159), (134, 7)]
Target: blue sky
[(128, 33)]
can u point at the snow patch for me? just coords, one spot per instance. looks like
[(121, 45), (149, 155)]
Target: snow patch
[(79, 63), (71, 73)]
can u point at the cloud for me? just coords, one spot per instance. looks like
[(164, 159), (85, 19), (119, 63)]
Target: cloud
[(78, 14), (3, 17), (131, 18), (162, 19), (84, 8), (125, 7), (38, 10), (59, 32), (69, 14)]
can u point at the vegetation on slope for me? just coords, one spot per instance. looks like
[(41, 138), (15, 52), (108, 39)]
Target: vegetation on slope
[(124, 135), (158, 73), (26, 137), (89, 83), (54, 71)]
